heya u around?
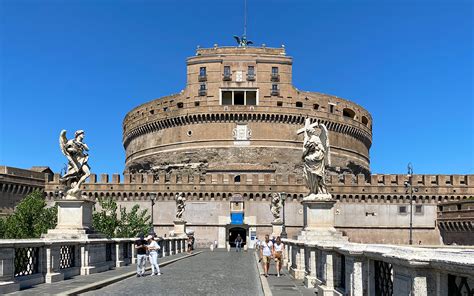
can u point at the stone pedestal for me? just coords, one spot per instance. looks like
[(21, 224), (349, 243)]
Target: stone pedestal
[(277, 228), (74, 220), (180, 228), (319, 220)]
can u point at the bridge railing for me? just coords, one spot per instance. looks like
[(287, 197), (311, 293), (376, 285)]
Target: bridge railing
[(334, 268), (28, 262)]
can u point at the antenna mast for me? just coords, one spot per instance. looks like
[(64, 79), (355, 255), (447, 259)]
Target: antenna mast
[(245, 18)]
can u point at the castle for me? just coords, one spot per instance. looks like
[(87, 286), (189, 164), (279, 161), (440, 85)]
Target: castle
[(229, 139)]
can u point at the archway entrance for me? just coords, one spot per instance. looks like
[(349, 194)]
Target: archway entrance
[(232, 233)]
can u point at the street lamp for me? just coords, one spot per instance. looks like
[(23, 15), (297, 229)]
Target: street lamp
[(152, 199), (410, 190), (283, 230)]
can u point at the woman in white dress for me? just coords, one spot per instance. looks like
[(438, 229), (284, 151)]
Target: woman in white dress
[(278, 248)]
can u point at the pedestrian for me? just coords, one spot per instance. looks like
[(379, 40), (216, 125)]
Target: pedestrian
[(140, 246), (215, 244), (257, 244), (190, 245), (266, 253), (278, 249), (153, 248), (238, 243)]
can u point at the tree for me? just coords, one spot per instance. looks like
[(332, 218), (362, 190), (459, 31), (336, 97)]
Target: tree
[(31, 218), (134, 223), (130, 224)]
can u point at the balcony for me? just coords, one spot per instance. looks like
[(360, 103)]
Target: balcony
[(202, 92), (250, 77), (227, 77), (275, 92), (275, 77), (202, 78)]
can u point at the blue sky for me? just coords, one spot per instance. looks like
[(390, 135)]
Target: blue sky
[(84, 64)]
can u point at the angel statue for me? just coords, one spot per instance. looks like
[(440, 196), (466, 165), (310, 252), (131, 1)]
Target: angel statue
[(180, 205), (78, 169), (316, 156), (275, 207)]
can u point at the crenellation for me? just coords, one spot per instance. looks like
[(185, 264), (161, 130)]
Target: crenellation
[(127, 179), (104, 178), (116, 179), (56, 178)]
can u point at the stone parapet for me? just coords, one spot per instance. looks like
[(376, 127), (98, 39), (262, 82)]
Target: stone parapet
[(343, 268)]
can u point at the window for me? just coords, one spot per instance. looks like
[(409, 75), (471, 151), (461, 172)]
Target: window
[(226, 98), (237, 179), (274, 86), (251, 98), (202, 71), (299, 104), (315, 106), (180, 105), (331, 108), (402, 209), (251, 70), (239, 97), (227, 73), (152, 112), (202, 86), (346, 112), (196, 104), (165, 109), (274, 70), (418, 209), (279, 103), (365, 121)]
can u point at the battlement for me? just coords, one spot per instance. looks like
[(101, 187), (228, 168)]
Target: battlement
[(379, 180), (235, 50)]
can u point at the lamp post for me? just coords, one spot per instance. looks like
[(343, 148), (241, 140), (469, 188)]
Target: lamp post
[(283, 230), (410, 190), (152, 199)]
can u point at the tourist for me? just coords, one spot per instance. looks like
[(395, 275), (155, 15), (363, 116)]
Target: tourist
[(140, 246), (266, 253), (153, 248), (238, 243), (257, 244), (278, 248), (190, 244)]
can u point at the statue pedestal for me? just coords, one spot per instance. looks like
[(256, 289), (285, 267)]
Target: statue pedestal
[(180, 228), (74, 220), (277, 228), (319, 219)]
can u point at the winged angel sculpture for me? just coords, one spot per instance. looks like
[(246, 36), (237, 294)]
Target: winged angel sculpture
[(78, 169), (275, 207), (316, 156), (180, 206)]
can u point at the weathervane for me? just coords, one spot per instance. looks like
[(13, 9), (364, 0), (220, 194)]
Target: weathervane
[(242, 41)]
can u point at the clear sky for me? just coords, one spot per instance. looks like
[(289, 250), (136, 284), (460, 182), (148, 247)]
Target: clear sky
[(84, 64)]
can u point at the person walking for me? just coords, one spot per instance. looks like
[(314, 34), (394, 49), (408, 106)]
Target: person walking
[(238, 243), (278, 248), (140, 246), (266, 254), (153, 248)]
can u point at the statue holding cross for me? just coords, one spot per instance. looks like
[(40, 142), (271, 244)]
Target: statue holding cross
[(316, 156)]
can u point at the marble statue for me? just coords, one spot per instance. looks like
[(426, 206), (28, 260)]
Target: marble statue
[(275, 207), (180, 205), (78, 169), (316, 156)]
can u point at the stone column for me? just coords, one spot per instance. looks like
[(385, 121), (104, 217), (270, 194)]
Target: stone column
[(298, 269), (327, 288), (412, 280), (170, 244), (7, 271), (53, 256), (354, 275), (119, 260), (134, 253), (310, 278)]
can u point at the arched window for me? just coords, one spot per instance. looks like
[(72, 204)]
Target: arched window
[(346, 112), (365, 121)]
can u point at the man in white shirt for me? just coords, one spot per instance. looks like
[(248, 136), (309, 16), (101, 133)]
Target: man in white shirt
[(266, 253), (153, 248)]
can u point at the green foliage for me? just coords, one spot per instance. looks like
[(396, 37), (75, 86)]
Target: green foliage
[(134, 223), (130, 224), (31, 218)]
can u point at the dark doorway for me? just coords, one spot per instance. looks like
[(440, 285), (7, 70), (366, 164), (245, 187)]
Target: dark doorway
[(232, 235)]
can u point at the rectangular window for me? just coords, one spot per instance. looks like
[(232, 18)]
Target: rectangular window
[(315, 106), (251, 98), (402, 209), (418, 209), (180, 105), (274, 70), (274, 86), (226, 70), (331, 108), (279, 103), (203, 86), (226, 98), (196, 104), (251, 70), (202, 71), (239, 98)]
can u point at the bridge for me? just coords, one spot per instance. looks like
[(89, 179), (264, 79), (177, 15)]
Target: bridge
[(107, 266)]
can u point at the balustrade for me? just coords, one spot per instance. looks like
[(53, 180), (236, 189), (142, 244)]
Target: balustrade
[(342, 268)]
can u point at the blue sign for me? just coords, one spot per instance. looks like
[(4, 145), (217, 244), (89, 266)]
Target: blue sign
[(237, 218)]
